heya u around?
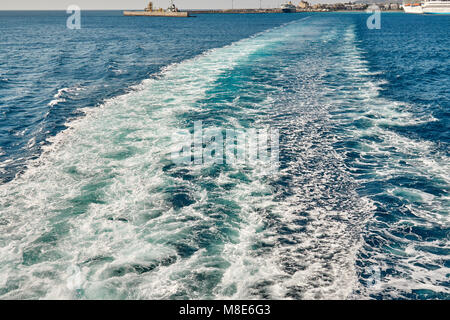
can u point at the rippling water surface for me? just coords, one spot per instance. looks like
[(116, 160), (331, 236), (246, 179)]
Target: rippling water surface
[(92, 207)]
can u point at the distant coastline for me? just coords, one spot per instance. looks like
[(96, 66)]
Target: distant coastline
[(255, 11)]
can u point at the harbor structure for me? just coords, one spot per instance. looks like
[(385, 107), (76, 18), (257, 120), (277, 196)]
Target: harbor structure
[(149, 11)]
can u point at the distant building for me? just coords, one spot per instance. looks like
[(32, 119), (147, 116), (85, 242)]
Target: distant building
[(359, 6), (349, 6), (149, 7), (395, 6), (303, 5), (338, 6)]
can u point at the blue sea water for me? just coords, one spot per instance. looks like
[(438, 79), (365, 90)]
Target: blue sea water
[(91, 206)]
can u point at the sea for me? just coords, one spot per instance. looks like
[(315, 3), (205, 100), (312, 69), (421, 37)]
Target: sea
[(92, 206)]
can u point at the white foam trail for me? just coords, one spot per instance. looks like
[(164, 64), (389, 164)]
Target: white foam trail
[(112, 160), (306, 246), (60, 95), (405, 156)]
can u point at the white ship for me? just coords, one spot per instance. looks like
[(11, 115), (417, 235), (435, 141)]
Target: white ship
[(288, 7), (412, 8), (436, 7)]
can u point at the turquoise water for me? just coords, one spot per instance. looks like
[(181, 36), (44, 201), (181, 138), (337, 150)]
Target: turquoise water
[(94, 208)]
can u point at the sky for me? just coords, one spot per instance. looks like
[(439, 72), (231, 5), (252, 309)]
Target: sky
[(140, 4)]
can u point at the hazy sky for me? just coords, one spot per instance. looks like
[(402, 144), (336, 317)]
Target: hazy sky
[(138, 4)]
